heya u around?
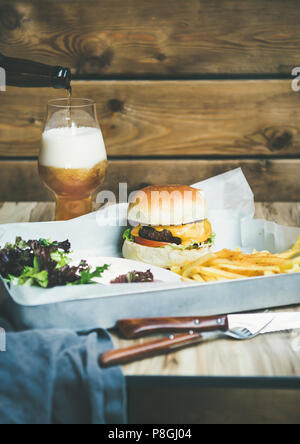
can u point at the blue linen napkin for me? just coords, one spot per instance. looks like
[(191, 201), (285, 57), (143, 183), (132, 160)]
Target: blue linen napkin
[(53, 377)]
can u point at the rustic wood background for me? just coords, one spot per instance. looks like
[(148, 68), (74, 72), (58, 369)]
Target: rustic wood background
[(185, 89)]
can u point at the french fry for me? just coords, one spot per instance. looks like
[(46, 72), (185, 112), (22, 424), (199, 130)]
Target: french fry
[(187, 279), (198, 278), (193, 267), (296, 260), (268, 273), (215, 272), (176, 269), (233, 264), (294, 251), (250, 268), (247, 263)]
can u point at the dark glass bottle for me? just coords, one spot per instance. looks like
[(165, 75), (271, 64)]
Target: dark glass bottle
[(26, 73)]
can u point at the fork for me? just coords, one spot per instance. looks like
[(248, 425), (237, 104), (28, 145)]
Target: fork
[(171, 343), (242, 333)]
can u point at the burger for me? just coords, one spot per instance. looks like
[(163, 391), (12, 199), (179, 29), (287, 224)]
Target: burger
[(169, 226)]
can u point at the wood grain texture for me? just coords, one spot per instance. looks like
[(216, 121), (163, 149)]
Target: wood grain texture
[(268, 355), (11, 212), (271, 180), (170, 37), (176, 118), (288, 215)]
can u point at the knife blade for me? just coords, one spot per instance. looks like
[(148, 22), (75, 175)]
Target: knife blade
[(278, 322), (254, 322)]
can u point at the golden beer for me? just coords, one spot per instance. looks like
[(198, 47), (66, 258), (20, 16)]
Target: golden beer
[(73, 159)]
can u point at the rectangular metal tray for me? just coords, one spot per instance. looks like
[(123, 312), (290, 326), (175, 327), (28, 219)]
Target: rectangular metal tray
[(104, 310), (88, 307)]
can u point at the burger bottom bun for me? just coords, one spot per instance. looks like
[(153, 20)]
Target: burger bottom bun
[(165, 257)]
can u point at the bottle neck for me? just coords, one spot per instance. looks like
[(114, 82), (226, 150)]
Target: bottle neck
[(61, 78), (25, 73)]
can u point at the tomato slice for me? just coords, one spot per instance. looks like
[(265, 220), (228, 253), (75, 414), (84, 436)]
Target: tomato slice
[(148, 243)]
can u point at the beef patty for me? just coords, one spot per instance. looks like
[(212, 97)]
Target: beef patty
[(160, 236)]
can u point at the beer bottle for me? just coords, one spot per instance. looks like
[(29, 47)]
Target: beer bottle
[(25, 73)]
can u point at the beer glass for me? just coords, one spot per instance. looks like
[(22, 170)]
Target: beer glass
[(73, 160)]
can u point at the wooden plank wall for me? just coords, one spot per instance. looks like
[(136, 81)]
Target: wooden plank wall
[(185, 89)]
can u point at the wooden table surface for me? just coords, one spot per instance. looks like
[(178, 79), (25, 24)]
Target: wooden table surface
[(267, 355)]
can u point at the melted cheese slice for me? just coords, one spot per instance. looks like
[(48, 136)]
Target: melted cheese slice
[(197, 232)]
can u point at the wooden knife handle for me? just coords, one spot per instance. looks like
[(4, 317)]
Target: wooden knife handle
[(134, 328), (150, 349)]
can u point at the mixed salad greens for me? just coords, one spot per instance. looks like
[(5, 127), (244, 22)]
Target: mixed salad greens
[(45, 264)]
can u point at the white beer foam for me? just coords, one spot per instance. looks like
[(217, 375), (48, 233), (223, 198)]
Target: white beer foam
[(70, 148)]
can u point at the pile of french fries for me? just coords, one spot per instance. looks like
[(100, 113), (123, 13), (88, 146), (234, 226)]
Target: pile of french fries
[(233, 264)]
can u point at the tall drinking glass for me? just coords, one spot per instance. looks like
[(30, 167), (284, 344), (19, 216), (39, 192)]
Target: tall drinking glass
[(72, 161)]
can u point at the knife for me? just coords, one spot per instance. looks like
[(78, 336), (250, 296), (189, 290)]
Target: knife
[(135, 328), (214, 327)]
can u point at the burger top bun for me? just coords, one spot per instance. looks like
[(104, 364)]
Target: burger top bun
[(167, 205)]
